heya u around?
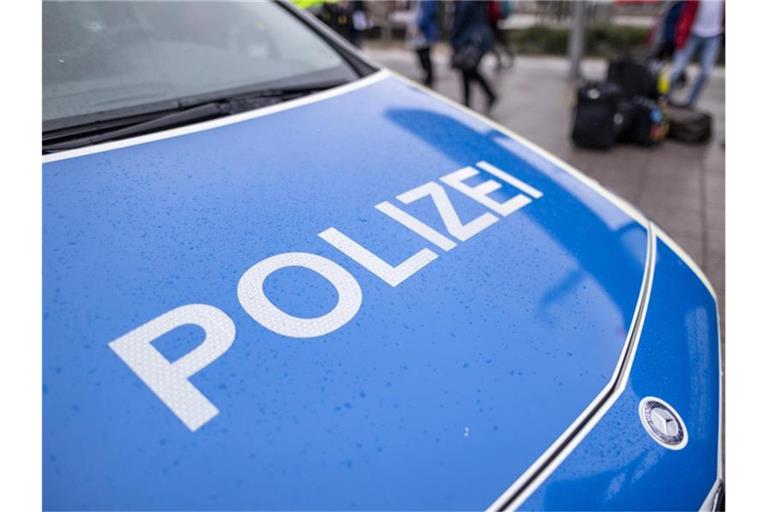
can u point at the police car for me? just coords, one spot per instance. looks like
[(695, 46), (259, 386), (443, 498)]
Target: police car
[(277, 276)]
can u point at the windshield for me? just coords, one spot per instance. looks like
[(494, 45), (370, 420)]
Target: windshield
[(105, 56)]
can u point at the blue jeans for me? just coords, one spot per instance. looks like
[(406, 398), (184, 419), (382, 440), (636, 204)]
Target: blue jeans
[(710, 47)]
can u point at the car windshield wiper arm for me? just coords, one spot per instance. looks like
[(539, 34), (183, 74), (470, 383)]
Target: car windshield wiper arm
[(190, 110), (163, 121), (241, 94)]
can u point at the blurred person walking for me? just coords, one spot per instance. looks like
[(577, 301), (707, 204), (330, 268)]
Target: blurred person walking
[(423, 34), (661, 38), (471, 39), (699, 29)]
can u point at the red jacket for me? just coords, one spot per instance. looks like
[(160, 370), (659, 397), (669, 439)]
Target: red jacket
[(494, 11), (685, 23)]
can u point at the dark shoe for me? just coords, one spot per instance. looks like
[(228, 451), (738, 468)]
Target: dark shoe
[(492, 99)]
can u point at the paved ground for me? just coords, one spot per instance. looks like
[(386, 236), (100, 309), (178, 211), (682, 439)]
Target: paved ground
[(680, 187)]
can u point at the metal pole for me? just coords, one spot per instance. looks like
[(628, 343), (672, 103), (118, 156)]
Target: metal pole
[(576, 38)]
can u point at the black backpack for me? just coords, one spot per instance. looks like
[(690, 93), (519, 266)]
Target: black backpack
[(645, 122), (634, 78), (595, 123)]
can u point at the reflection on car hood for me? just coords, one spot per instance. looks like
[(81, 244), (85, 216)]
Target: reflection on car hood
[(439, 393)]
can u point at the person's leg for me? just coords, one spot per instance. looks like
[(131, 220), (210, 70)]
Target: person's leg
[(683, 57), (420, 55), (490, 95), (430, 71), (465, 84), (709, 51), (426, 64)]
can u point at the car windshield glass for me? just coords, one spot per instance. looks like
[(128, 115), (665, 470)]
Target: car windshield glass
[(105, 56)]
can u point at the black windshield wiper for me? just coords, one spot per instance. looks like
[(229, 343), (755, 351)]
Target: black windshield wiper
[(189, 110), (100, 133)]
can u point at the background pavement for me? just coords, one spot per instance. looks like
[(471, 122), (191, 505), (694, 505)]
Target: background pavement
[(680, 187)]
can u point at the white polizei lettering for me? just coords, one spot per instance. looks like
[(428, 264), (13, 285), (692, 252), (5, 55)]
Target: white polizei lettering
[(170, 381), (447, 212), (392, 275), (491, 169), (480, 192), (250, 292), (416, 225)]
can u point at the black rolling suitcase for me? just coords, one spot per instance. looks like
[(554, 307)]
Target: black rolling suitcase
[(595, 120), (691, 126)]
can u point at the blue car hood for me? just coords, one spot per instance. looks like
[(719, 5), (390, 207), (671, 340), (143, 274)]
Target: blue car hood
[(439, 392)]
